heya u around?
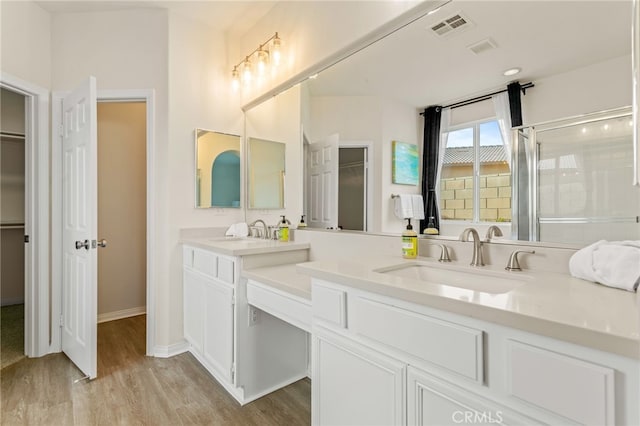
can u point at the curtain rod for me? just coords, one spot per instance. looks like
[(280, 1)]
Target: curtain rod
[(523, 87)]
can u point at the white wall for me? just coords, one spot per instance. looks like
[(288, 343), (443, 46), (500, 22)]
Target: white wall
[(279, 120), (311, 31), (597, 87), (25, 42)]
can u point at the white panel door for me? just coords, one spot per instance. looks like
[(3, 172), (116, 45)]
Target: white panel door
[(79, 213), (323, 183), (218, 328)]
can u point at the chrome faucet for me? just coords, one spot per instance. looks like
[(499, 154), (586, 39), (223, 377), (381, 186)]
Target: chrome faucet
[(265, 231), (476, 260), (493, 231), (513, 264), (444, 253)]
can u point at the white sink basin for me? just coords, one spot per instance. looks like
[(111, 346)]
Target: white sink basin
[(492, 282)]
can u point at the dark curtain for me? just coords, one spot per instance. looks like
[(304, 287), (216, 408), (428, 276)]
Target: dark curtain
[(430, 150), (515, 105)]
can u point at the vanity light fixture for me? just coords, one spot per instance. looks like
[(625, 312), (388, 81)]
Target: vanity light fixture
[(265, 53), (511, 71)]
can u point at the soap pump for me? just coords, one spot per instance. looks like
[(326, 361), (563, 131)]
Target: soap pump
[(409, 242), (302, 223), (283, 230)]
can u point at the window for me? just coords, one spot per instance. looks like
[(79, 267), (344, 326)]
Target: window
[(475, 181)]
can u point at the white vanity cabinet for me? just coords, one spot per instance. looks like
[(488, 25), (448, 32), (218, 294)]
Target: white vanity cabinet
[(208, 310), (379, 360), (250, 352)]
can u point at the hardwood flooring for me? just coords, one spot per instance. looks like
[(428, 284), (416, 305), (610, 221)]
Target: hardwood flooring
[(132, 389)]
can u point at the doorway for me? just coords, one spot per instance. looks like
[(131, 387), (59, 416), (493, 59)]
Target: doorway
[(122, 210), (352, 188), (12, 226)]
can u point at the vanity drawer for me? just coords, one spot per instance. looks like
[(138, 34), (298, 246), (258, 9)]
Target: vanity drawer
[(454, 347), (566, 386), (329, 304), (205, 262), (225, 269)]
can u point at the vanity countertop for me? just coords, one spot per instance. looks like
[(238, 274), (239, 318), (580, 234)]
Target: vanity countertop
[(285, 278), (549, 304), (234, 246)]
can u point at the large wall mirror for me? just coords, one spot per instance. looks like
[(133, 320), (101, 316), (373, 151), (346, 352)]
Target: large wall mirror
[(217, 177), (266, 170), (374, 97)]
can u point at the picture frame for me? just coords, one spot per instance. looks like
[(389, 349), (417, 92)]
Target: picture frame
[(404, 163)]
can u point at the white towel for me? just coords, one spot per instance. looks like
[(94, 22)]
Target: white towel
[(614, 264), (238, 230), (403, 207), (418, 207)]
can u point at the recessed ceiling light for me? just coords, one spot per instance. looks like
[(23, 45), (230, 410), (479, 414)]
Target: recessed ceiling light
[(512, 71), (431, 12), (313, 77)]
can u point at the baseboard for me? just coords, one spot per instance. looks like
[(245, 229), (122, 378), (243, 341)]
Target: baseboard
[(125, 313), (12, 301), (171, 350)]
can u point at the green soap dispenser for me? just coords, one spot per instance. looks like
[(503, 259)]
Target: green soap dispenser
[(409, 242), (283, 230)]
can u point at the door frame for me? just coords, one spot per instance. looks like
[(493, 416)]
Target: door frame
[(36, 321), (369, 183), (125, 95)]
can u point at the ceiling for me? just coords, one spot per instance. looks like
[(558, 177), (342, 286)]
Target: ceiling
[(544, 38), (235, 16)]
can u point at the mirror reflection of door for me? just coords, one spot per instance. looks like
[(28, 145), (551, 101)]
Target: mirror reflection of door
[(217, 180)]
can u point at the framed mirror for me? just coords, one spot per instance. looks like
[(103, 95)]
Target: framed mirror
[(217, 165), (266, 174)]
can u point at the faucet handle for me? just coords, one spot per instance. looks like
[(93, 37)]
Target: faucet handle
[(444, 254), (513, 264)]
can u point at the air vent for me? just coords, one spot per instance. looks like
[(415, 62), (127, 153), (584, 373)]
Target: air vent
[(482, 46), (453, 24)]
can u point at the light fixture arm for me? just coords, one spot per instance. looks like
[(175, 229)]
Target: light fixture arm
[(258, 49)]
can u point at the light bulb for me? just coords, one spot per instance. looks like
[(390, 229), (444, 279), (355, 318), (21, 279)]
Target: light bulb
[(275, 50), (235, 79), (246, 71), (263, 59)]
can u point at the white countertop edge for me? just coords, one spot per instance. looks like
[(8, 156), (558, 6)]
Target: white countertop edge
[(240, 247), (626, 346), (283, 279)]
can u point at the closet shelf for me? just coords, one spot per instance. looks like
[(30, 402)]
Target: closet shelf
[(11, 225)]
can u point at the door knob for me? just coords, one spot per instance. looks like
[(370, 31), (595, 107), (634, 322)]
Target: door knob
[(102, 243), (82, 244)]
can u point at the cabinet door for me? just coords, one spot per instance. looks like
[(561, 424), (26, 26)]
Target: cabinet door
[(354, 385), (218, 328), (432, 401), (193, 294)]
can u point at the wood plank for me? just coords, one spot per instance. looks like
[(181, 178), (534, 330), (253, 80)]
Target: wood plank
[(134, 389)]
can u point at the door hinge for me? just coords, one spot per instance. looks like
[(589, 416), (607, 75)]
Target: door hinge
[(26, 238), (61, 321), (60, 129), (233, 372)]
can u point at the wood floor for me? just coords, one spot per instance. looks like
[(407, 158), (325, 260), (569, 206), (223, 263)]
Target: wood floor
[(132, 389)]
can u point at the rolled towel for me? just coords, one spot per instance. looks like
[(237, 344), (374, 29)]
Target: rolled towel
[(614, 264)]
